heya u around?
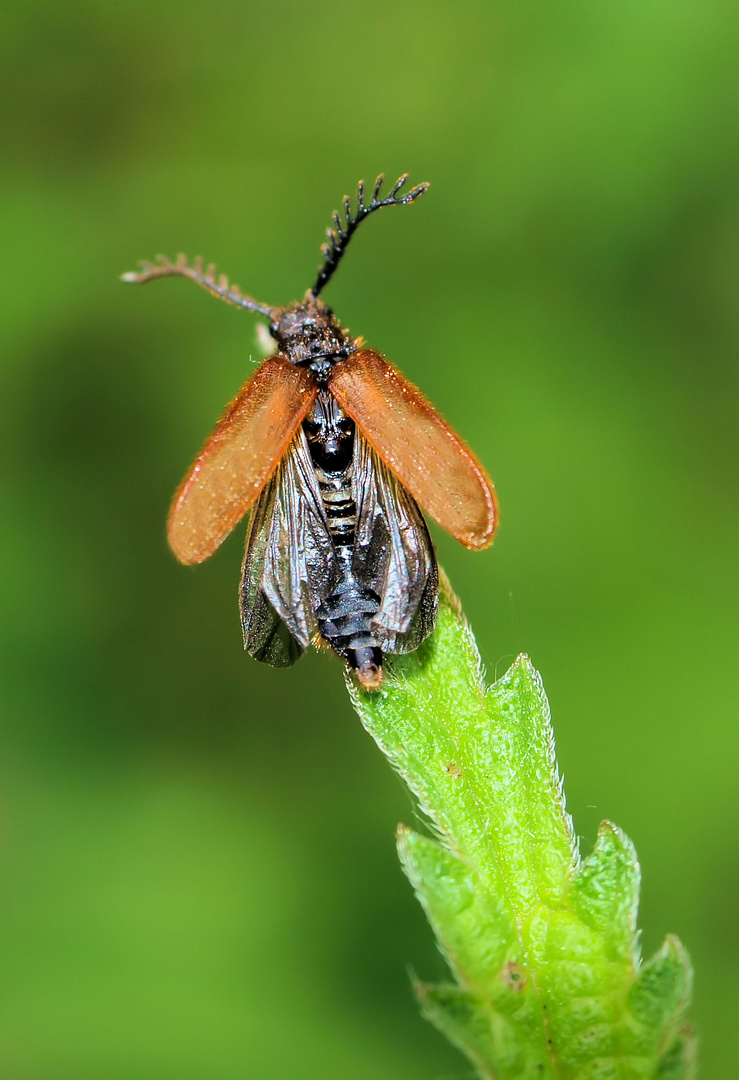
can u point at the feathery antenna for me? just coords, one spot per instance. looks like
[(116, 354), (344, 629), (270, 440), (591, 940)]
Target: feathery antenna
[(341, 234), (218, 285)]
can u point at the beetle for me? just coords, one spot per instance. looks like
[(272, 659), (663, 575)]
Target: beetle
[(332, 450)]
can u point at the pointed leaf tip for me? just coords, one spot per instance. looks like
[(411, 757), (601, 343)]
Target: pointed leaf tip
[(661, 993), (521, 673), (462, 1018), (605, 890)]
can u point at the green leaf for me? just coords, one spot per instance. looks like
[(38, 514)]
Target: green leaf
[(542, 944), (605, 891)]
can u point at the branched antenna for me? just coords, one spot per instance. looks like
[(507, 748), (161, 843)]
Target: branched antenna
[(340, 235), (218, 285)]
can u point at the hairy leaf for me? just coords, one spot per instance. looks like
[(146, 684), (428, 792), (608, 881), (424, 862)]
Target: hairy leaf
[(542, 944)]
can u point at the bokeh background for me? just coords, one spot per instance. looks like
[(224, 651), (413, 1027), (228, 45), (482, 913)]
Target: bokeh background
[(198, 879)]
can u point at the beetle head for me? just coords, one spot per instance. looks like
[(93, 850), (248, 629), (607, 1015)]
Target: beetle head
[(309, 335)]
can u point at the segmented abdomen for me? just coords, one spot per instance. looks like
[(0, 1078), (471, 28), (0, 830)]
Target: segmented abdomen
[(344, 616), (338, 501)]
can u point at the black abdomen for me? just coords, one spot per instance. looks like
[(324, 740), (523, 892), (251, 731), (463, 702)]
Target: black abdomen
[(345, 614)]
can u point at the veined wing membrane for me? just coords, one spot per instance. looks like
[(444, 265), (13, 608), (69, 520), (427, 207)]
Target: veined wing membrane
[(239, 458), (393, 553), (289, 562), (418, 446)]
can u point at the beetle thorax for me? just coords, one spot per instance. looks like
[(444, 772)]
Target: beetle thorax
[(309, 335)]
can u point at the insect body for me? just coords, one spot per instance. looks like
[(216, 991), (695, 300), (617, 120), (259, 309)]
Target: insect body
[(332, 450)]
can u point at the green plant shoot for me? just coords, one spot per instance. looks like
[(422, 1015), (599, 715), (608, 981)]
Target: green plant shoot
[(542, 944)]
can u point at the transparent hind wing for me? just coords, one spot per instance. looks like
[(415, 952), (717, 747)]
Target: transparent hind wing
[(266, 635), (288, 563), (393, 554)]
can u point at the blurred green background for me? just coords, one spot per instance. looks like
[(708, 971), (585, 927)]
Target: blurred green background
[(198, 879)]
